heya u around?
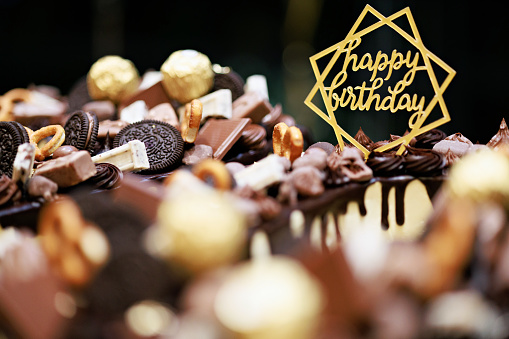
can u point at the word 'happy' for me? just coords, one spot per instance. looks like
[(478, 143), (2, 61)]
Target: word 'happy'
[(363, 97)]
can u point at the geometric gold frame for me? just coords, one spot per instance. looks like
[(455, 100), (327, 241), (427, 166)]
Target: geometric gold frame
[(417, 127)]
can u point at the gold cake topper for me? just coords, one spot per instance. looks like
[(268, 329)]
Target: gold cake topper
[(334, 95)]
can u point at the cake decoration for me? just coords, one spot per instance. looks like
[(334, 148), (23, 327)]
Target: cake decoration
[(366, 96)]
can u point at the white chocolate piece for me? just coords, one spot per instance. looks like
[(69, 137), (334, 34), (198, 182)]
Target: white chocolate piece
[(263, 173), (134, 112), (215, 104), (23, 163), (39, 104), (257, 83), (149, 79), (128, 157)]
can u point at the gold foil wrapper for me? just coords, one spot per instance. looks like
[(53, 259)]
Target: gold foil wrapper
[(483, 175), (187, 75), (113, 78)]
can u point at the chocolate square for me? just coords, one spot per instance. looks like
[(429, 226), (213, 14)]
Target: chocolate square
[(221, 134)]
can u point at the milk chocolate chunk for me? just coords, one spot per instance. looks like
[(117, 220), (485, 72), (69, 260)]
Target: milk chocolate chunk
[(221, 134), (64, 150), (68, 170), (103, 109), (251, 105), (153, 96), (112, 127), (31, 297), (164, 112)]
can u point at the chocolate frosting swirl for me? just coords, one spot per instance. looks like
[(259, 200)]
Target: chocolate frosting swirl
[(501, 138), (363, 139), (429, 139), (423, 162), (108, 176), (385, 164)]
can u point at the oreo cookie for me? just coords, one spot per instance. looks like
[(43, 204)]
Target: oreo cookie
[(229, 80), (12, 134), (81, 130), (164, 144)]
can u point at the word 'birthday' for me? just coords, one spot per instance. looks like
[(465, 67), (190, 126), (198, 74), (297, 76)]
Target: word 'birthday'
[(364, 96)]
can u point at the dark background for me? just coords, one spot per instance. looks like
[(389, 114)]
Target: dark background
[(55, 42)]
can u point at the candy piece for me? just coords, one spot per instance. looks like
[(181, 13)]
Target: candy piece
[(287, 141), (103, 109), (23, 164), (152, 96), (12, 135), (206, 240), (187, 75), (215, 104), (62, 151), (251, 105), (287, 298), (128, 157), (226, 78), (263, 173), (163, 143), (134, 112), (191, 121), (75, 247), (112, 77), (32, 300), (58, 138), (8, 100), (110, 127), (196, 154), (68, 170), (257, 83), (353, 166), (164, 112), (221, 134), (215, 171), (40, 186), (81, 130), (38, 109)]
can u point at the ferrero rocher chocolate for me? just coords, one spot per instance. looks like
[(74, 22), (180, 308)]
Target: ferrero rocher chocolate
[(112, 77), (481, 175), (187, 75), (204, 230)]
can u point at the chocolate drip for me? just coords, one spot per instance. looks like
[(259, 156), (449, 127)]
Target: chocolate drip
[(400, 188)]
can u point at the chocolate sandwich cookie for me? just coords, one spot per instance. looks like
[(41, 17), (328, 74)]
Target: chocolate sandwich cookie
[(163, 142), (81, 130), (225, 78), (12, 134)]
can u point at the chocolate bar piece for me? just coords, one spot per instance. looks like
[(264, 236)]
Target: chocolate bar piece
[(153, 96), (216, 104), (33, 303), (221, 134), (251, 105), (68, 170)]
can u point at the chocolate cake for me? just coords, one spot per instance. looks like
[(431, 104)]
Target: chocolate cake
[(253, 230)]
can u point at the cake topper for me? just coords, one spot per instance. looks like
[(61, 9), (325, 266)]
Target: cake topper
[(381, 66)]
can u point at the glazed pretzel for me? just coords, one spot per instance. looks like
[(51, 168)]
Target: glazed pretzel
[(287, 141), (76, 249), (191, 121), (214, 170), (9, 99), (58, 139)]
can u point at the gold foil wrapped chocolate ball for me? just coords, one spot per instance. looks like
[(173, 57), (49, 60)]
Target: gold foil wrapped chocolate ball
[(204, 230), (270, 298), (483, 175), (113, 78), (187, 75)]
